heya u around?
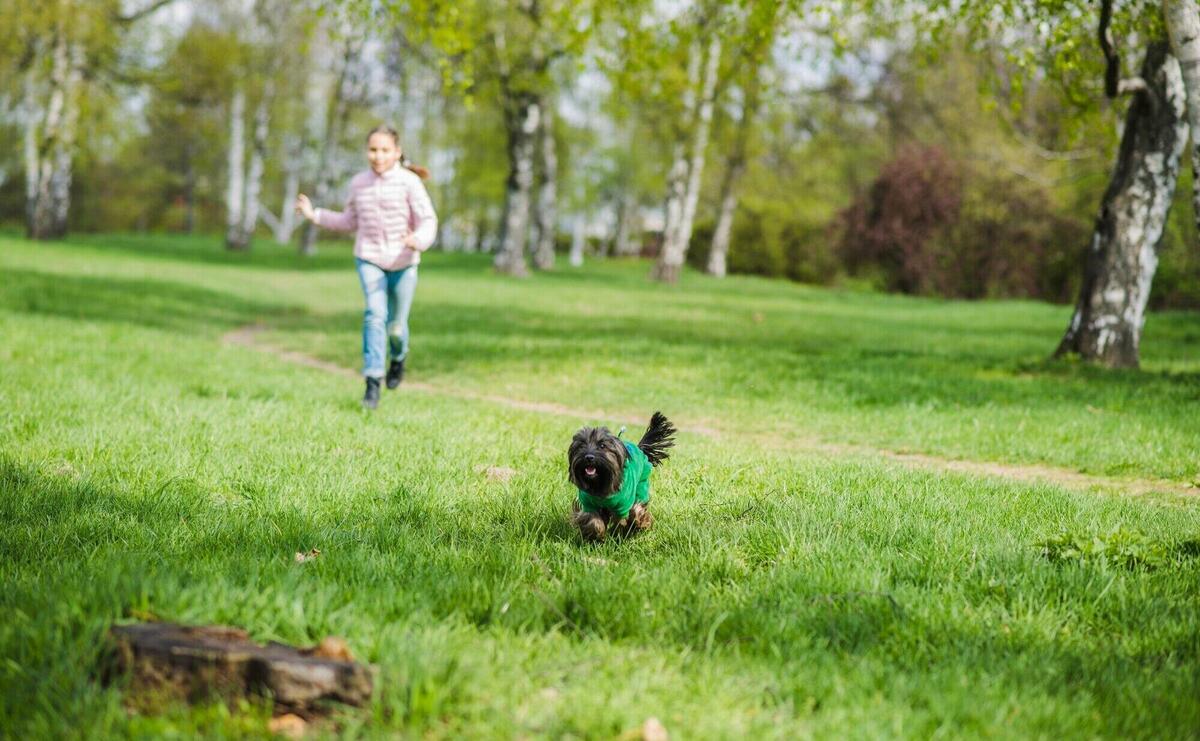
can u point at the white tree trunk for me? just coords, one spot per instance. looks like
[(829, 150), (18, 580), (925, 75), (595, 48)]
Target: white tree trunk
[(578, 241), (236, 184), (735, 167), (547, 208), (627, 225), (1183, 26), (675, 240), (521, 120), (285, 225), (336, 112), (53, 147), (667, 266), (254, 174), (1106, 326), (31, 119), (717, 255), (699, 148)]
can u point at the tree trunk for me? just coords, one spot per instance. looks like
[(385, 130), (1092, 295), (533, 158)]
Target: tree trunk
[(521, 119), (578, 241), (49, 156), (291, 188), (677, 177), (1183, 26), (235, 187), (31, 117), (254, 175), (735, 167), (336, 113), (627, 218), (675, 243), (1106, 326), (699, 148), (729, 199), (546, 214)]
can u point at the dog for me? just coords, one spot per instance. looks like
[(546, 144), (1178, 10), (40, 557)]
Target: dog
[(613, 478)]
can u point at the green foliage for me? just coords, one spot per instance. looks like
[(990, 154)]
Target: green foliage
[(1120, 547)]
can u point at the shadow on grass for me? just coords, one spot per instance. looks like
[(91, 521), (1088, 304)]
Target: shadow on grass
[(752, 361), (150, 303)]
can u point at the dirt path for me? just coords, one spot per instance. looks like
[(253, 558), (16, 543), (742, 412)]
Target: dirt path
[(251, 337)]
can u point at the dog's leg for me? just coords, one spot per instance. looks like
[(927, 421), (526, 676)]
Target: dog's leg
[(640, 518), (591, 526)]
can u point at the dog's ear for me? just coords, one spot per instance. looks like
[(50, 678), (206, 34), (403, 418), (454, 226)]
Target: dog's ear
[(578, 442)]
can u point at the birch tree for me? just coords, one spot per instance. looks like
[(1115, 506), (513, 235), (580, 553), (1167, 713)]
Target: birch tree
[(1120, 262), (57, 40), (511, 45), (345, 88), (545, 219)]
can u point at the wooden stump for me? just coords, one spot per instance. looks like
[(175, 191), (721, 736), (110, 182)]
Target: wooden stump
[(191, 662)]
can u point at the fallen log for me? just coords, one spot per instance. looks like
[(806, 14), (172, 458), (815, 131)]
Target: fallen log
[(193, 662)]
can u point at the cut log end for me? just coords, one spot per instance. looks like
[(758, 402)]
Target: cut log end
[(167, 661)]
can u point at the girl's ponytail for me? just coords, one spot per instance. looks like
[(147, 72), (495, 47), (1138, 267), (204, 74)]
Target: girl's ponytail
[(422, 172)]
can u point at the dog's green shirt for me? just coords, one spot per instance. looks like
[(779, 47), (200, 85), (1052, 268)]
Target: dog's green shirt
[(635, 486)]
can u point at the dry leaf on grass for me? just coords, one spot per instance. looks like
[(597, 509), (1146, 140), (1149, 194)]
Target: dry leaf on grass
[(292, 726), (497, 473), (310, 556)]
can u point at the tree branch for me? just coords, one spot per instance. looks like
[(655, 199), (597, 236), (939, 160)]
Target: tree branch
[(1112, 60), (138, 14)]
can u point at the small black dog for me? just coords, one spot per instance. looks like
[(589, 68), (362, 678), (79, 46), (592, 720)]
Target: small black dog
[(613, 477)]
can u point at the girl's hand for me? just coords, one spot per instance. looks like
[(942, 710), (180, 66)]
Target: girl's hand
[(410, 240), (305, 208)]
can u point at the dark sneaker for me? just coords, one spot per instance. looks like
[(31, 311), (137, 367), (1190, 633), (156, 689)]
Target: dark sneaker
[(395, 374), (371, 397)]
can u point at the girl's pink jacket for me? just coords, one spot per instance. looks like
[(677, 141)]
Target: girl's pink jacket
[(383, 210)]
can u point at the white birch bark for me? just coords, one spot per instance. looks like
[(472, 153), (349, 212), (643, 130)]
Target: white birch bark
[(43, 210), (31, 119), (717, 255), (336, 112), (627, 225), (699, 150), (735, 167), (521, 120), (578, 241), (1106, 325), (547, 207), (254, 173), (1183, 26), (235, 183), (675, 240), (678, 174)]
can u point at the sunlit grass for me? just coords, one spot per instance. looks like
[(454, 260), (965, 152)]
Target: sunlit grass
[(149, 469)]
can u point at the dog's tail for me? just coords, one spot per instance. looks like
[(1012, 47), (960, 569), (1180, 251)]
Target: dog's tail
[(658, 439)]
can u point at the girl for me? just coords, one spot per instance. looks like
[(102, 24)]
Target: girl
[(390, 210)]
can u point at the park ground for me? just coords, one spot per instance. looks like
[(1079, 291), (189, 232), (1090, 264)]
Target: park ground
[(886, 516)]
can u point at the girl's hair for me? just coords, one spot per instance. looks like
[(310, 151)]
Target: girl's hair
[(422, 172)]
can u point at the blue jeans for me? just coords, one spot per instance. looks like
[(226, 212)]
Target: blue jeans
[(389, 295)]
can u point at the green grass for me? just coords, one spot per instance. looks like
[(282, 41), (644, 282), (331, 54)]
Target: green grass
[(148, 468)]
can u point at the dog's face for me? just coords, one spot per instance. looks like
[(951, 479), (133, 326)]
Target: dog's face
[(596, 461)]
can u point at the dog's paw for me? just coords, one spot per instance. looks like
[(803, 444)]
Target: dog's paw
[(640, 517), (591, 526)]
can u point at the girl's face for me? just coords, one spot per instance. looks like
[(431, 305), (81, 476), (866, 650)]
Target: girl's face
[(382, 152)]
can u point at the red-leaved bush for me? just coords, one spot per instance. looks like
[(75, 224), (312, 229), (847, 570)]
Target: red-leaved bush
[(929, 225), (891, 225)]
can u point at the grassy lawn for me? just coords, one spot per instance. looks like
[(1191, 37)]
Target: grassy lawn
[(147, 468)]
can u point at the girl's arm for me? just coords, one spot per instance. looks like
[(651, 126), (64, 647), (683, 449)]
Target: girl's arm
[(342, 221), (422, 211)]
